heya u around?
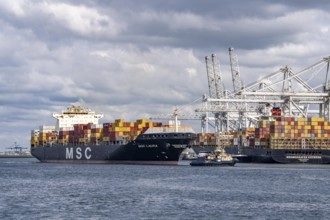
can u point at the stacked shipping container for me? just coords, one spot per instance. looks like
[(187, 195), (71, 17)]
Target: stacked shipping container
[(225, 139), (292, 132), (120, 130), (43, 136), (276, 133), (117, 132)]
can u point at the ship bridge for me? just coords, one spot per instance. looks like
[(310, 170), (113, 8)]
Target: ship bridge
[(76, 114)]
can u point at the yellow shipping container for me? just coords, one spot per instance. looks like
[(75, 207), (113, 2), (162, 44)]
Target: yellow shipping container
[(119, 124), (121, 129), (301, 119), (63, 141), (301, 123), (140, 126), (263, 124), (119, 120), (96, 135), (142, 121), (82, 139)]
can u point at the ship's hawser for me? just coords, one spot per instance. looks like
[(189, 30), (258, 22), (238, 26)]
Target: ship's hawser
[(78, 138), (277, 139)]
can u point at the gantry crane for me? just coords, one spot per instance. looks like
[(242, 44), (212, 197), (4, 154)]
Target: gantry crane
[(230, 115), (296, 93), (16, 148), (217, 91), (289, 90)]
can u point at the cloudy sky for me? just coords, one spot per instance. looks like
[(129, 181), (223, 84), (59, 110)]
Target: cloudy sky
[(134, 59)]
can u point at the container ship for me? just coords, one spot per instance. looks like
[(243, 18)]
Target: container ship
[(77, 137), (276, 139)]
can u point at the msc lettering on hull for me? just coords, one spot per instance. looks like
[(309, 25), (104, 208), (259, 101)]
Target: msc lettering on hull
[(78, 154)]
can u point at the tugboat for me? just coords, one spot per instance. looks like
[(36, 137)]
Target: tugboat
[(188, 155), (216, 158)]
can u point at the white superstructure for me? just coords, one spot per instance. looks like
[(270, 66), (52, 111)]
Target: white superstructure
[(76, 115)]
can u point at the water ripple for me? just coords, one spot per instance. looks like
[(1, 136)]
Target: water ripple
[(31, 190)]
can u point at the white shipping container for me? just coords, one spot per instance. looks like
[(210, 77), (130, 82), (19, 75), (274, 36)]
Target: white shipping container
[(97, 125), (67, 129), (46, 128), (172, 123), (235, 141), (35, 133)]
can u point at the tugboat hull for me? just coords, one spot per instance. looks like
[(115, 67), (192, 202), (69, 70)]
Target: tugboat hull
[(212, 163)]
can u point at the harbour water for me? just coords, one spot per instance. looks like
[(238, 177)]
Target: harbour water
[(33, 190)]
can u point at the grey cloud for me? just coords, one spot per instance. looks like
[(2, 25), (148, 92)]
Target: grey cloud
[(134, 59)]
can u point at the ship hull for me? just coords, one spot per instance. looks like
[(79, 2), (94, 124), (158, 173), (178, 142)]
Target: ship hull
[(266, 155), (206, 163), (309, 156), (140, 151)]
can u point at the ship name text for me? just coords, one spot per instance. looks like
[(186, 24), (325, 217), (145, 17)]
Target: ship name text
[(303, 157), (78, 153), (147, 145)]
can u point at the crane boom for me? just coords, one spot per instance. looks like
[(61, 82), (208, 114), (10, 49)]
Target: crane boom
[(216, 85), (237, 82)]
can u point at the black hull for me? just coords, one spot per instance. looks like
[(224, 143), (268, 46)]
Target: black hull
[(211, 163), (309, 156), (143, 150), (255, 155), (266, 155)]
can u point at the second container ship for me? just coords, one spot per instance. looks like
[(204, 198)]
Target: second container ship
[(277, 139)]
